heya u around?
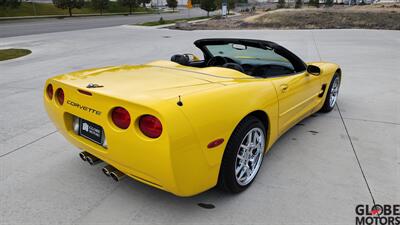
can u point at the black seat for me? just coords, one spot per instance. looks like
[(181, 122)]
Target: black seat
[(234, 66), (181, 59)]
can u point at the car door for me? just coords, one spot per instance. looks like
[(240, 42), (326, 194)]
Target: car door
[(297, 95)]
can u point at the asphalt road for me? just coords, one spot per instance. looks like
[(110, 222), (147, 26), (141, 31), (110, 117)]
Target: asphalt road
[(11, 28), (312, 175)]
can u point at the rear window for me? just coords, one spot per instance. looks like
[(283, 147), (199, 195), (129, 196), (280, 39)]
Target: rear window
[(248, 54)]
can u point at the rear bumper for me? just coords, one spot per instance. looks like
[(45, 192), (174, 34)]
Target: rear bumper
[(174, 162)]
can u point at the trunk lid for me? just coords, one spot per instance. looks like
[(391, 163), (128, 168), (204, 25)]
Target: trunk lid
[(143, 81)]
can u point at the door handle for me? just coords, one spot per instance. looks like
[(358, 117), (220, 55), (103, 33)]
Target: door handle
[(284, 87)]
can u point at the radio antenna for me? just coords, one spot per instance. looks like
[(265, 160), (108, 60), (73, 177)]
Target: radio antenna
[(179, 103)]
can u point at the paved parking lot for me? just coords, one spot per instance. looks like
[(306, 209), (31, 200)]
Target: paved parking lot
[(310, 176)]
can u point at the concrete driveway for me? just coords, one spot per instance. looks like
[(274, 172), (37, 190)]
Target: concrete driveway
[(312, 175)]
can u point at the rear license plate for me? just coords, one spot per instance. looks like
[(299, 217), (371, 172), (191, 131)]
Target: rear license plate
[(91, 131)]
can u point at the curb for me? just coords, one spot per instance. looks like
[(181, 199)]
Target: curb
[(174, 24), (192, 21), (78, 15)]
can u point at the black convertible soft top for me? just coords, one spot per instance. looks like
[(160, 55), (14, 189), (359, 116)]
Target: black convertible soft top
[(297, 63)]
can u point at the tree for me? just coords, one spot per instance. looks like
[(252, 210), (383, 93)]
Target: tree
[(69, 4), (281, 4), (298, 4), (328, 3), (10, 3), (314, 3), (218, 3), (231, 5), (172, 4), (208, 5), (130, 3), (100, 5), (144, 2)]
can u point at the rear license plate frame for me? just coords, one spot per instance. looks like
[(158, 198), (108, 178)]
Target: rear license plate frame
[(91, 131)]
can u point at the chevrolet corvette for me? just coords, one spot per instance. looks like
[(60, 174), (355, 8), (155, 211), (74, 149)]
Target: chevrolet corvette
[(191, 123)]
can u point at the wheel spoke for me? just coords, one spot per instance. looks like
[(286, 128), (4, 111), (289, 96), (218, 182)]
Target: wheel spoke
[(255, 156), (256, 137), (242, 173), (240, 157), (250, 138), (249, 171), (258, 140), (244, 147), (259, 145), (238, 169)]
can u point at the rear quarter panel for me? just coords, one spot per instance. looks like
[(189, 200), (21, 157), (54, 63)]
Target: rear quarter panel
[(215, 114)]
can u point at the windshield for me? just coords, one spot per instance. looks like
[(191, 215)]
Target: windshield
[(248, 55)]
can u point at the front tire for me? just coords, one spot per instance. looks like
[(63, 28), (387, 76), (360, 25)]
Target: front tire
[(332, 95), (243, 155)]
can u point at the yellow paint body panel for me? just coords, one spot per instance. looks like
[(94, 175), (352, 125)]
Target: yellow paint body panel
[(214, 100)]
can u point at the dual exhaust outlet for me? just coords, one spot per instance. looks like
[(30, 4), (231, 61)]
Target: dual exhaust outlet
[(108, 170)]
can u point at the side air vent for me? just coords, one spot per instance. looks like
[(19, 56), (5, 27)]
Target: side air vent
[(322, 91)]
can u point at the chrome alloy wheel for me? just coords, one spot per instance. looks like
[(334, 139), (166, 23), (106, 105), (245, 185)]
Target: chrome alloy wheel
[(334, 92), (249, 156)]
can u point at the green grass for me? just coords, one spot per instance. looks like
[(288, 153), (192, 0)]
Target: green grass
[(12, 53), (47, 9), (156, 23)]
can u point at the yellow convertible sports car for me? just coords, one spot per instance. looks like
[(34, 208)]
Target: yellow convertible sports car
[(189, 124)]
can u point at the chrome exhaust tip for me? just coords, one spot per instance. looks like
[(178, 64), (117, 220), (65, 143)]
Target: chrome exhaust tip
[(107, 170), (117, 175), (92, 160), (83, 155)]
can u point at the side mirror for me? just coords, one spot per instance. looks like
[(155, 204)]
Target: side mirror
[(314, 70)]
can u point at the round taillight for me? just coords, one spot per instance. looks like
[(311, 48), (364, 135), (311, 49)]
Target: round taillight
[(121, 117), (60, 96), (150, 126), (49, 91)]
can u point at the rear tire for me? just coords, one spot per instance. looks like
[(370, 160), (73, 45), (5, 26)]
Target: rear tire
[(243, 155), (332, 95)]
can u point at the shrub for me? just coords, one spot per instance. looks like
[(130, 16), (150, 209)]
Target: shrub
[(314, 3), (281, 4), (161, 21), (10, 3), (100, 5), (328, 3), (298, 4)]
